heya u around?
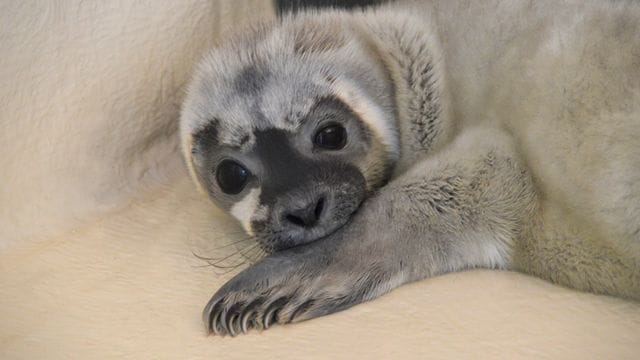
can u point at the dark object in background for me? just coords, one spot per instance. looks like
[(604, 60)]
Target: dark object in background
[(285, 6)]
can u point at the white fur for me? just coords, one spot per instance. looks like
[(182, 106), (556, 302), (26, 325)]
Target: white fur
[(244, 209), (492, 254)]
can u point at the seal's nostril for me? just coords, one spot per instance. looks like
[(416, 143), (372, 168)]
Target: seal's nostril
[(307, 216), (319, 207), (295, 220)]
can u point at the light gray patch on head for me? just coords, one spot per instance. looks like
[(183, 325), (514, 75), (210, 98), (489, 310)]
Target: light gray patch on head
[(236, 137), (260, 120), (241, 111), (288, 99)]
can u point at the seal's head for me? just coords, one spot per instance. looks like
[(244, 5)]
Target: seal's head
[(289, 127)]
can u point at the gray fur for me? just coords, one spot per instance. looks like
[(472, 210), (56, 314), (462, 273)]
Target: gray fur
[(496, 134)]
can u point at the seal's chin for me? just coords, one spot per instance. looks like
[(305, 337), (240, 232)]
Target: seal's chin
[(306, 238)]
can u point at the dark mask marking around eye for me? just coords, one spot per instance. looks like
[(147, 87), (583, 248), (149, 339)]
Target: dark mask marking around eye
[(285, 169)]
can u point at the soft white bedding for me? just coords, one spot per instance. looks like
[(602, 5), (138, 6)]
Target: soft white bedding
[(99, 222)]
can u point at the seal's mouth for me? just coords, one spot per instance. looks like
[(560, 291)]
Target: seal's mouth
[(274, 240)]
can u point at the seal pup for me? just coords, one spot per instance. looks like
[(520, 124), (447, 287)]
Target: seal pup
[(364, 150)]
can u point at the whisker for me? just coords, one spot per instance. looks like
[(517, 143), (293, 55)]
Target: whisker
[(234, 232), (250, 251), (233, 243), (232, 267), (220, 259), (258, 256), (252, 254), (217, 262)]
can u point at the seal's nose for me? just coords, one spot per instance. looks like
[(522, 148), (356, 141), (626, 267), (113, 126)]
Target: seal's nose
[(306, 216)]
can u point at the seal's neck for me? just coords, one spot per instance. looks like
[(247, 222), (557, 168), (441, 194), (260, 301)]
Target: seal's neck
[(409, 48)]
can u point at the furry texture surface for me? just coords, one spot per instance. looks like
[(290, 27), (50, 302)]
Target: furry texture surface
[(99, 222)]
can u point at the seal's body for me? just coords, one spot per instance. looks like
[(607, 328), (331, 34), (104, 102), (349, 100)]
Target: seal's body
[(366, 150)]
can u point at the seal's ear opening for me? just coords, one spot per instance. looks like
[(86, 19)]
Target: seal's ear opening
[(294, 6)]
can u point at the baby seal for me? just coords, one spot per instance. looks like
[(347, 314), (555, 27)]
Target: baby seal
[(364, 150)]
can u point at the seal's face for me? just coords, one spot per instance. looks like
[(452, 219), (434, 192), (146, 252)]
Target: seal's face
[(286, 145), (290, 187)]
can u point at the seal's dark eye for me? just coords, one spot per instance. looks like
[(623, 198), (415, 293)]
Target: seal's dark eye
[(331, 137), (231, 177)]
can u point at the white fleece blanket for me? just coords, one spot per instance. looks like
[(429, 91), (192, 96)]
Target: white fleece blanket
[(99, 222)]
